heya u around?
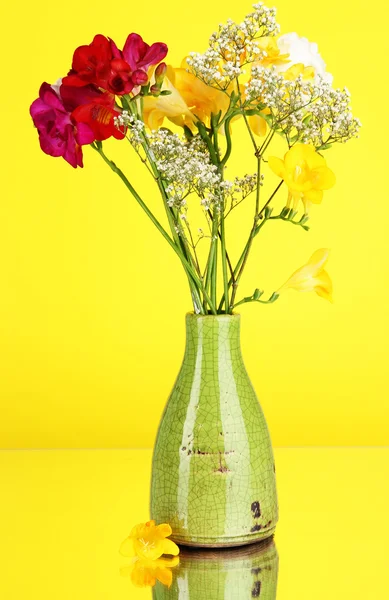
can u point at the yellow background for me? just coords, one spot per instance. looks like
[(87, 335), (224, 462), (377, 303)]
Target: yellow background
[(92, 300)]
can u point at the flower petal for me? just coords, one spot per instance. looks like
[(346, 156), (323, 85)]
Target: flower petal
[(315, 196), (319, 258), (277, 166), (323, 178), (165, 576), (323, 286), (169, 547), (164, 530), (258, 125)]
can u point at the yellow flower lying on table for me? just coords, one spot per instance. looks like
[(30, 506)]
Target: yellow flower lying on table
[(149, 541), (305, 173), (146, 572), (312, 276)]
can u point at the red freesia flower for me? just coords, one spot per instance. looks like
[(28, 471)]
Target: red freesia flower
[(116, 71), (94, 108), (91, 64), (58, 136)]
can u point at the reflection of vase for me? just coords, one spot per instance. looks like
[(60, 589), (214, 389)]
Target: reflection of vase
[(239, 574), (213, 469)]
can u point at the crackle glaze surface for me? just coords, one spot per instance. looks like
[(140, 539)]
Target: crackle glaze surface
[(239, 574), (213, 473)]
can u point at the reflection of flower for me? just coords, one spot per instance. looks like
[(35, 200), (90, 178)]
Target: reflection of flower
[(146, 572), (148, 541), (305, 173), (312, 276)]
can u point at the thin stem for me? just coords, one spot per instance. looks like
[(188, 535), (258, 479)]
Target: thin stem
[(232, 281), (188, 268), (272, 299), (224, 262)]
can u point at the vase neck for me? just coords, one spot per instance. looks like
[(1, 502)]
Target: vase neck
[(215, 337)]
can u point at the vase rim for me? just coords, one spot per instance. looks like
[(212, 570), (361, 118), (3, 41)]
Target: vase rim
[(218, 316)]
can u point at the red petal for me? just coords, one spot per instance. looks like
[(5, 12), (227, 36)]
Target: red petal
[(134, 50)]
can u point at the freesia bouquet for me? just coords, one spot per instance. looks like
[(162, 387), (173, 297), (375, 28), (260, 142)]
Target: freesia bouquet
[(180, 121)]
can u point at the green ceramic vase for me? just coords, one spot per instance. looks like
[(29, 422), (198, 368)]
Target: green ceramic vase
[(239, 574), (213, 476)]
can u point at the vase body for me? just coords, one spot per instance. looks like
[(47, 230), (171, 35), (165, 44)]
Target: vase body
[(213, 475), (238, 574)]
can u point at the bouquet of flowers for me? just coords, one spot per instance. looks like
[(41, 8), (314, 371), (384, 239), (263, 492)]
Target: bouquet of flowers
[(180, 122)]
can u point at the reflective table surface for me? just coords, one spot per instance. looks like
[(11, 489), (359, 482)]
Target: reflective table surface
[(64, 514)]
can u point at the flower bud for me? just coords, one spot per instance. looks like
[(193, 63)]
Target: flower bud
[(155, 90), (160, 73)]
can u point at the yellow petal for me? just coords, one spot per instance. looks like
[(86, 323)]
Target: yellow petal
[(319, 258), (302, 154), (308, 73), (164, 530), (143, 577), (323, 178), (150, 550), (127, 547), (165, 576), (277, 166), (258, 125), (323, 286), (294, 71), (315, 196), (169, 547)]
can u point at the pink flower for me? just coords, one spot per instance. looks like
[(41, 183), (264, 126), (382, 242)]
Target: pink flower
[(58, 136), (69, 117), (140, 56)]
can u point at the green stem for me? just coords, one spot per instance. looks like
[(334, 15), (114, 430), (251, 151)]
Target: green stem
[(170, 213), (272, 299), (232, 280), (224, 262), (188, 268)]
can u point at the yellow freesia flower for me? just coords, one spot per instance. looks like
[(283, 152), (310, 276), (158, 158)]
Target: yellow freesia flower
[(149, 541), (312, 276), (190, 100), (308, 73), (305, 173), (146, 572), (273, 52)]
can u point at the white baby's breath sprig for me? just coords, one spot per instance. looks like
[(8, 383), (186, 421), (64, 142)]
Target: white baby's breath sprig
[(132, 127), (233, 46), (184, 165), (303, 110)]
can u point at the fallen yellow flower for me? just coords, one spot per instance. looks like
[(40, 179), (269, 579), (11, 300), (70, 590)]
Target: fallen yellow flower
[(149, 541)]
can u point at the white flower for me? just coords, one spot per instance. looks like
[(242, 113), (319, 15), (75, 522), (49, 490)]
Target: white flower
[(303, 51)]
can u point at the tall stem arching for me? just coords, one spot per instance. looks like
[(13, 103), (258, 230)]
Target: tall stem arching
[(170, 213), (222, 207), (192, 274)]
